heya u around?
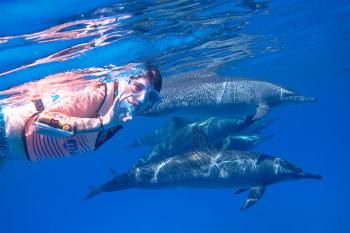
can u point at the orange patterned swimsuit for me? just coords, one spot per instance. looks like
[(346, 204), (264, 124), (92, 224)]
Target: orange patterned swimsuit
[(40, 146)]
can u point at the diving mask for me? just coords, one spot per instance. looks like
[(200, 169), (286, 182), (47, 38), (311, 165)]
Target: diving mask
[(140, 97)]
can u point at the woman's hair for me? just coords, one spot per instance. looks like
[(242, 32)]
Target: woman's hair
[(156, 78)]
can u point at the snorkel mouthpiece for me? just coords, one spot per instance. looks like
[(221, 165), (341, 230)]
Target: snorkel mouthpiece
[(126, 110)]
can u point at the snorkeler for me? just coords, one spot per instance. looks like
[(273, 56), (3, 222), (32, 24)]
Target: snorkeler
[(80, 121)]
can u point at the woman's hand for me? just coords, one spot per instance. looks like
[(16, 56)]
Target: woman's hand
[(119, 112)]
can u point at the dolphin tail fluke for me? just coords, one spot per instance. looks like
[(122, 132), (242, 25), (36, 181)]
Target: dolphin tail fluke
[(254, 196), (94, 191)]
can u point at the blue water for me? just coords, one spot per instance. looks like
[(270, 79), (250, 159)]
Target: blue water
[(303, 45)]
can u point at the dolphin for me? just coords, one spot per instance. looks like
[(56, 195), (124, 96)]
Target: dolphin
[(177, 124), (177, 137), (209, 168), (208, 94), (232, 142)]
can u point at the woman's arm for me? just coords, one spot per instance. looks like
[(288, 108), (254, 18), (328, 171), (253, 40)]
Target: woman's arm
[(60, 125)]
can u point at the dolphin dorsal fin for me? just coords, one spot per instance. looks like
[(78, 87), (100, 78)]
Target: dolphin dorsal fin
[(200, 140), (179, 122)]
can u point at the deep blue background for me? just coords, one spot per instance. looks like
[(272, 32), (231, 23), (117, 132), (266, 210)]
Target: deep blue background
[(312, 58)]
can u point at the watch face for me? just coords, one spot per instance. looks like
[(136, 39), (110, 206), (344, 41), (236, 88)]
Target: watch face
[(66, 127)]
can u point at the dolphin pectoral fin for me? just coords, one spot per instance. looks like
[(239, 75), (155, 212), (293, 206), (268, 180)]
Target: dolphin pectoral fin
[(248, 121), (261, 111), (254, 195)]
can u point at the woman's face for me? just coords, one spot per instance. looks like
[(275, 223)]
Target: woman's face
[(140, 89), (137, 88)]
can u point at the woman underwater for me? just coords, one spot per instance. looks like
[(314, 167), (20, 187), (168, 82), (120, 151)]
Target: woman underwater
[(60, 121)]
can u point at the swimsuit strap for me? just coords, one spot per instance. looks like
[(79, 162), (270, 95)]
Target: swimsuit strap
[(104, 135), (107, 100)]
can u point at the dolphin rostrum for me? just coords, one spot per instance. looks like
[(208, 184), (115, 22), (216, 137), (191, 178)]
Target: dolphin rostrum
[(242, 142), (208, 168), (200, 94)]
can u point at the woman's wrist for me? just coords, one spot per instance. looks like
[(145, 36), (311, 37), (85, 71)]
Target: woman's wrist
[(109, 120), (106, 120), (101, 122)]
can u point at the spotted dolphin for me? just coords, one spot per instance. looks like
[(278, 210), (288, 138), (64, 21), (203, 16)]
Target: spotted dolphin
[(177, 125), (177, 137), (208, 94), (209, 168)]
